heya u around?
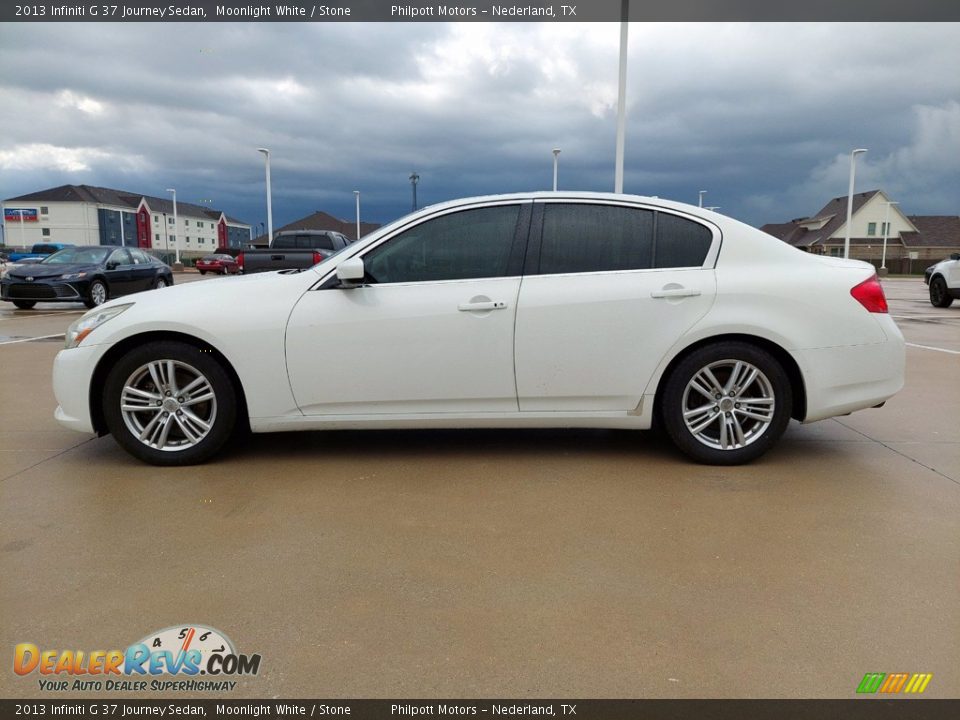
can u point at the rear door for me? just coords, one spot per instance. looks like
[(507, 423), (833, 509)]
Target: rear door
[(608, 289)]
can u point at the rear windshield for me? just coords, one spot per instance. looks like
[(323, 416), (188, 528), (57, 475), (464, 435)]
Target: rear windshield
[(304, 242)]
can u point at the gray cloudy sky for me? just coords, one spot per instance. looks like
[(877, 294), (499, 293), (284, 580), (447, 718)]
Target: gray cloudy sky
[(762, 116)]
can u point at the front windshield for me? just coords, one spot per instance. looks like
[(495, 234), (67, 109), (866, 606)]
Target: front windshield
[(78, 256)]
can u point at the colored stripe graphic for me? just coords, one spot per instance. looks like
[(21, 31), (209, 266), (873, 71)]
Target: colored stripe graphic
[(894, 682), (871, 682), (890, 684), (918, 683)]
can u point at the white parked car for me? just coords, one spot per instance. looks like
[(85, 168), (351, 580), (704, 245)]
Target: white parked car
[(528, 310), (943, 280)]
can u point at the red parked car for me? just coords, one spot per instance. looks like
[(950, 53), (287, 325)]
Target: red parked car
[(220, 264)]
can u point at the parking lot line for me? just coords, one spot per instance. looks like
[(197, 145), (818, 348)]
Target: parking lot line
[(31, 339), (930, 347), (36, 315)]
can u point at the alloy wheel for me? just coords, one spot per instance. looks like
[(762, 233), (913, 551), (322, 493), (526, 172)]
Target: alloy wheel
[(728, 404)]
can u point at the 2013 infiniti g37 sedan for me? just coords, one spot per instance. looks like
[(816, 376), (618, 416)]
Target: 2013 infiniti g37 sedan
[(528, 310)]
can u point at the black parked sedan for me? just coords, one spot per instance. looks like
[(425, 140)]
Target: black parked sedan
[(91, 275)]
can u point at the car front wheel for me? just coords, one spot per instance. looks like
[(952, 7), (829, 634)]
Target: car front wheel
[(24, 304), (726, 404), (169, 403), (939, 295), (97, 294)]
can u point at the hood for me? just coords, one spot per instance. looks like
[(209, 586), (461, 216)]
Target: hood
[(45, 272)]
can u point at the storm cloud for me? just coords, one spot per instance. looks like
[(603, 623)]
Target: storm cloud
[(762, 116)]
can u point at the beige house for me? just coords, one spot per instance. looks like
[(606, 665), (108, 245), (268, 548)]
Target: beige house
[(912, 241)]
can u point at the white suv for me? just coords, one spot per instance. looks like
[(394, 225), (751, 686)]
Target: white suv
[(944, 281)]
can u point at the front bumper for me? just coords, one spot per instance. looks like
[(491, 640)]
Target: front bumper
[(72, 375), (11, 289)]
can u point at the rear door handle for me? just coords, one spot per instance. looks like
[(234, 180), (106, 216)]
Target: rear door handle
[(475, 306), (675, 293)]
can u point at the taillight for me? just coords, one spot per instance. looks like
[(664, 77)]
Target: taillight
[(317, 257), (240, 261), (869, 293)]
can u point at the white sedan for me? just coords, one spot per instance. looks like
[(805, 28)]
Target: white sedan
[(527, 310)]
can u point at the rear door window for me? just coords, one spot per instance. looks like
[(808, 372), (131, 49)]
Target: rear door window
[(580, 238)]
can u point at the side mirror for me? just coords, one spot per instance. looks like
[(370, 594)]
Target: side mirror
[(350, 272), (112, 265)]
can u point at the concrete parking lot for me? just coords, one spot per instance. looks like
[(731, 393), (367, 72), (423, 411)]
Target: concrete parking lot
[(501, 563)]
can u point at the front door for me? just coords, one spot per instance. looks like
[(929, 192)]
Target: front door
[(430, 331)]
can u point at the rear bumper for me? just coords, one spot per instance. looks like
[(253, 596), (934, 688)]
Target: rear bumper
[(841, 380)]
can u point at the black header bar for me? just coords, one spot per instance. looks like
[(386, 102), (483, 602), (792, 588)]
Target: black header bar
[(855, 709), (483, 11)]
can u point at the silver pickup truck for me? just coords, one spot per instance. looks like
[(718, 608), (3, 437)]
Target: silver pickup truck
[(293, 249)]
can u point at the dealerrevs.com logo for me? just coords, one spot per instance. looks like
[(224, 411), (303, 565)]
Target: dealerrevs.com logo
[(185, 658)]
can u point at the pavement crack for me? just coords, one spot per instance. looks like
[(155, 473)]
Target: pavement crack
[(52, 457), (894, 450)]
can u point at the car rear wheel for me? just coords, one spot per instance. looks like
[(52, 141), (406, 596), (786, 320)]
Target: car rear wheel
[(97, 294), (939, 295), (24, 304), (203, 272), (169, 403), (726, 404)]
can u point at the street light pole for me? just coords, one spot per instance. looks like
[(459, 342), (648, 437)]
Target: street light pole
[(266, 155), (622, 98), (886, 233), (556, 155), (357, 195), (853, 173), (414, 179), (176, 227), (702, 193)]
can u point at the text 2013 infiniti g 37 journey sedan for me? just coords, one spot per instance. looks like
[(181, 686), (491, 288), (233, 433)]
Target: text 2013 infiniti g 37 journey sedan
[(531, 310)]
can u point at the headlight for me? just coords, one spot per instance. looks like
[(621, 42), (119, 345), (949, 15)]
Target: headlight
[(73, 276), (90, 322)]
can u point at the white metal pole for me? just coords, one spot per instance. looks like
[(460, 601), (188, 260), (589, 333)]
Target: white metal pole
[(853, 172), (357, 195), (266, 155), (176, 226), (556, 155), (702, 193), (622, 98), (123, 241)]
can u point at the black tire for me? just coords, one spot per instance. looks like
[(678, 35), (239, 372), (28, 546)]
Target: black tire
[(939, 295), (719, 422), (24, 304), (203, 272), (94, 296), (190, 362), (161, 282)]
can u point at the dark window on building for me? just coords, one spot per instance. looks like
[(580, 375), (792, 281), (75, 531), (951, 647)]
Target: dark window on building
[(468, 244), (595, 238), (44, 210), (681, 242), (871, 228), (45, 232)]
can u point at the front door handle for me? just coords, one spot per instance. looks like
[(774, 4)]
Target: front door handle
[(481, 306), (675, 293)]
